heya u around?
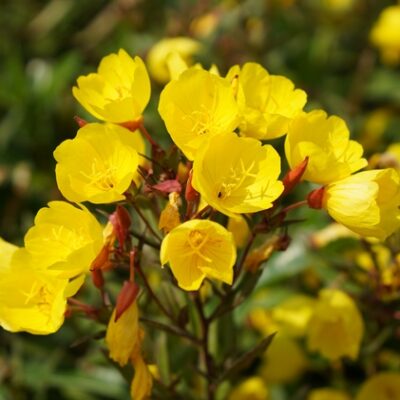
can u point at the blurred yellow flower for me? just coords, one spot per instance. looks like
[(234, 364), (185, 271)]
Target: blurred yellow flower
[(251, 389), (124, 336), (261, 319), (382, 258), (99, 164), (30, 300), (385, 34), (64, 240), (382, 386), (328, 394), (284, 360), (329, 234), (195, 107), (118, 92), (332, 156), (267, 103), (336, 327), (293, 315), (367, 202), (159, 55), (198, 249), (389, 159), (241, 180), (375, 125)]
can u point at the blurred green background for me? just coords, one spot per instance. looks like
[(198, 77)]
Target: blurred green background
[(45, 45)]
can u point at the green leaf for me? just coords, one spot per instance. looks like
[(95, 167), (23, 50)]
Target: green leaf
[(245, 360)]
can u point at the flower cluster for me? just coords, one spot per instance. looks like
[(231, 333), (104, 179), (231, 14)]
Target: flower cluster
[(202, 211)]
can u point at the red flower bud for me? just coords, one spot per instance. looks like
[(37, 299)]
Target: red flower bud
[(190, 193), (132, 125), (126, 297), (316, 197), (97, 278), (293, 177), (80, 121), (121, 221), (102, 262)]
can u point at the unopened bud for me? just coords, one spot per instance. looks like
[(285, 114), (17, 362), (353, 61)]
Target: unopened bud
[(293, 177), (80, 121), (191, 193), (315, 199), (132, 125), (102, 262), (97, 278), (121, 221), (126, 297)]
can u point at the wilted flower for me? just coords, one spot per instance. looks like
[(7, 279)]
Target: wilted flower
[(195, 107), (118, 92), (198, 249), (99, 164), (325, 141), (142, 382), (367, 202), (267, 103), (241, 180), (124, 336), (336, 327)]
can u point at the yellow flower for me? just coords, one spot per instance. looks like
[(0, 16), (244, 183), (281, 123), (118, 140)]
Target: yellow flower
[(124, 336), (385, 34), (267, 103), (336, 327), (30, 300), (382, 386), (99, 164), (251, 389), (64, 240), (159, 55), (366, 203), (198, 249), (284, 360), (241, 180), (118, 92), (332, 156), (328, 394), (195, 107), (142, 382)]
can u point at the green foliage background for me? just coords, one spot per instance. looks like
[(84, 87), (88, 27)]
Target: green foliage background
[(46, 45)]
